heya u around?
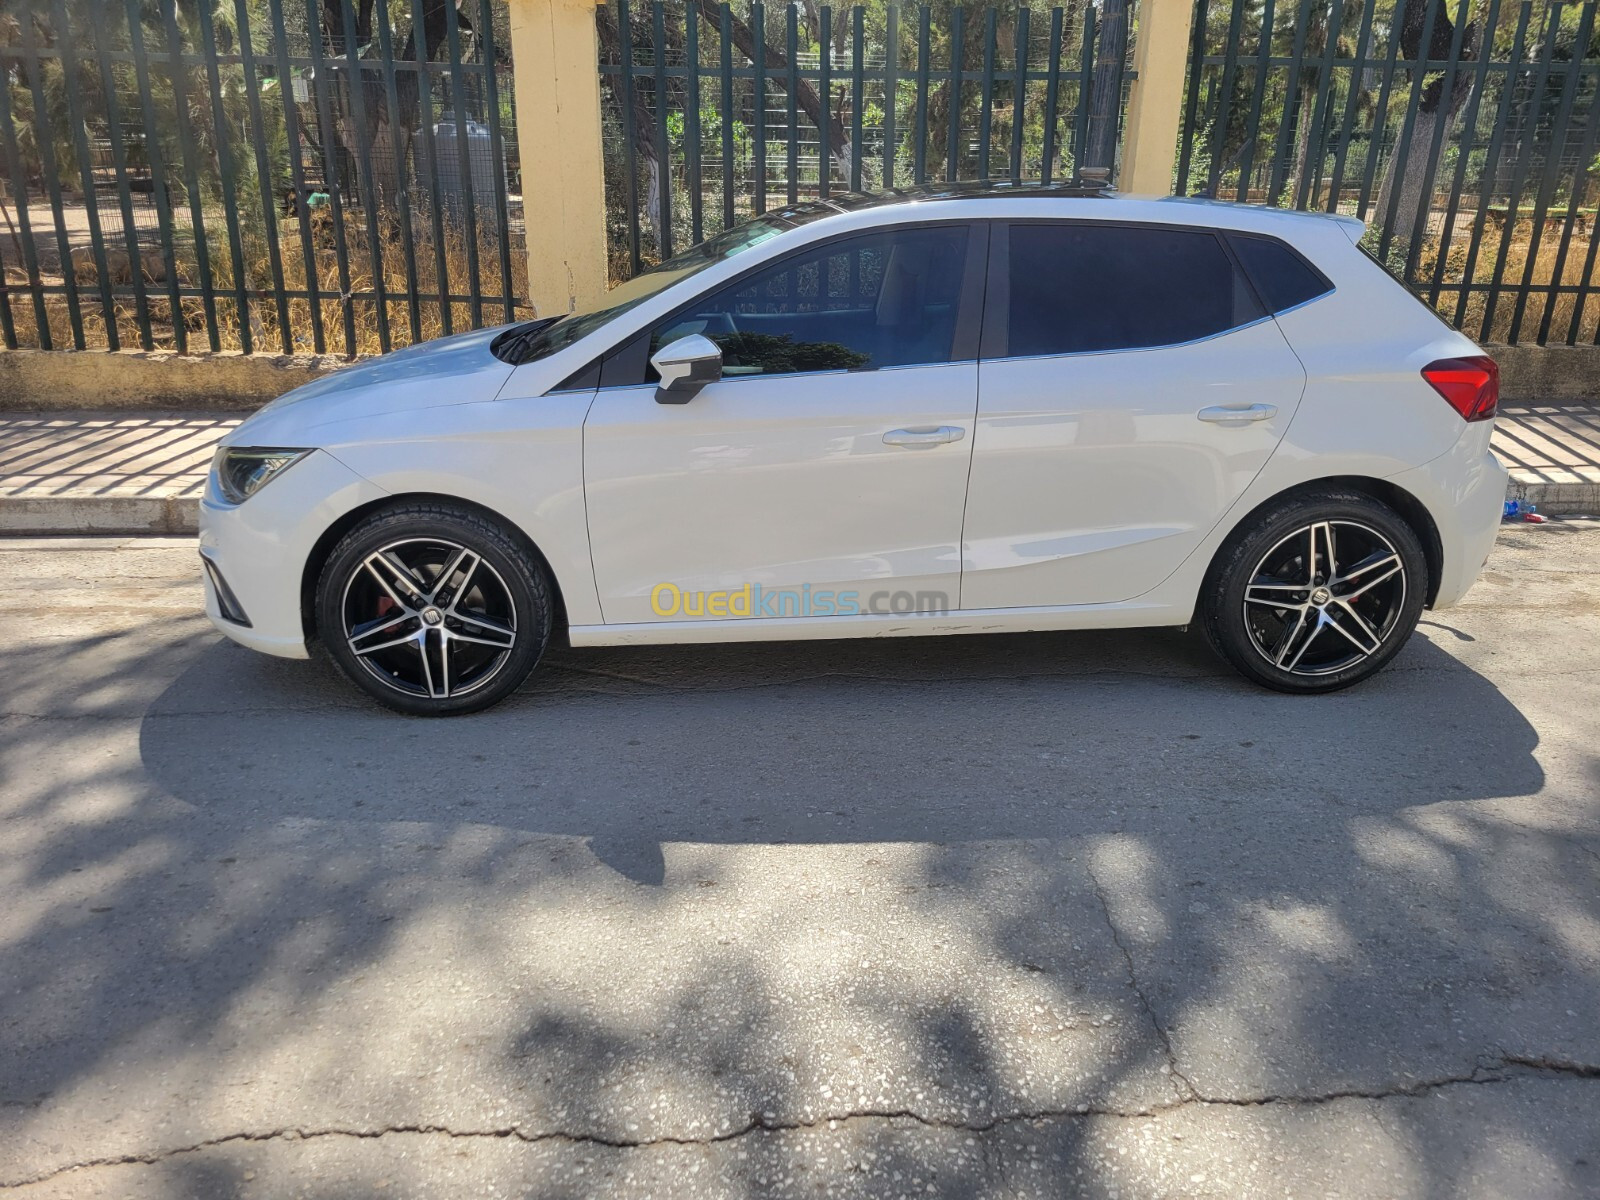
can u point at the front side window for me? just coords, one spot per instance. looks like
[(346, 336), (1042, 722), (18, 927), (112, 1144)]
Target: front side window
[(885, 299), (1077, 288)]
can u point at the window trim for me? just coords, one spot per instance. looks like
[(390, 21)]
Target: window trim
[(997, 315), (623, 366)]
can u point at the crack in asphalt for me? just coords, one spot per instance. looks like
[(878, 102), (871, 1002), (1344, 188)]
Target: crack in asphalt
[(1500, 1070)]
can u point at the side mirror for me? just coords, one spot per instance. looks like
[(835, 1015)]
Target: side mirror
[(686, 366)]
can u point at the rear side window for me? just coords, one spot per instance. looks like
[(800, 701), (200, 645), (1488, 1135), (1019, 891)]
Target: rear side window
[(1283, 279), (1077, 288)]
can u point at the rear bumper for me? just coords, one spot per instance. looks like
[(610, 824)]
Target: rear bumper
[(259, 550), (1465, 490)]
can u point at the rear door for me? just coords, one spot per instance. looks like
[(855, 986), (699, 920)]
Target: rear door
[(1131, 386)]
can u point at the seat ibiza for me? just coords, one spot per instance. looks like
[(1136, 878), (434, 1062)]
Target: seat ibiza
[(956, 410)]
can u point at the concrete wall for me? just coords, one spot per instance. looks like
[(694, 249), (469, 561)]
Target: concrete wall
[(1531, 373), (56, 380)]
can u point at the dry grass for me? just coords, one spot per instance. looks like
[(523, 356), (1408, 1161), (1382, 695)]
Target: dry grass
[(259, 313)]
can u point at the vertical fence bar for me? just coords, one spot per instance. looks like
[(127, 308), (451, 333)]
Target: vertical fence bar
[(691, 122), (158, 175), (891, 93), (1586, 154), (1552, 168), (957, 63), (1191, 102), (1293, 97), (663, 189), (1586, 276), (80, 143), (1519, 177), (857, 99), (986, 96), (1019, 95), (458, 100), (1402, 152), (1080, 125), (8, 328), (1380, 112), (291, 120), (1316, 146), (365, 190), (230, 197), (330, 172), (1052, 97), (919, 145), (1260, 82), (1425, 193), (758, 23), (728, 173), (630, 135), (502, 192), (1468, 133), (188, 152), (19, 193), (825, 86), (52, 178), (792, 141), (1230, 67), (258, 136), (1351, 99), (397, 151), (119, 156), (1491, 158)]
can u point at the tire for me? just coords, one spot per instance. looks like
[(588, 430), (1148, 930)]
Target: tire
[(433, 609), (1304, 629)]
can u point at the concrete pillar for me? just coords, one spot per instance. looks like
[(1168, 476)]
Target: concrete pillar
[(1155, 102), (556, 56)]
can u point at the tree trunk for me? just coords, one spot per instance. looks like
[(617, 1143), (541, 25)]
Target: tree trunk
[(1105, 92), (1413, 173)]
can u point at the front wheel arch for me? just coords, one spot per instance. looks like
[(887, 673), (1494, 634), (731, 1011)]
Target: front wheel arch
[(331, 536)]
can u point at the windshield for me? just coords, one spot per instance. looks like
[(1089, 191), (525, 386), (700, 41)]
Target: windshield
[(539, 339)]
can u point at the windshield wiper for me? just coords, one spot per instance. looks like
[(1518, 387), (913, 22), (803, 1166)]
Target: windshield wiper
[(513, 345)]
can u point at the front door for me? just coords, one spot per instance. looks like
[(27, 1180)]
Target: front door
[(826, 472), (1131, 388)]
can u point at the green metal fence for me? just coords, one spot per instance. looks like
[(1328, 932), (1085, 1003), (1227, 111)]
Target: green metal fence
[(1466, 132), (712, 113), (294, 175)]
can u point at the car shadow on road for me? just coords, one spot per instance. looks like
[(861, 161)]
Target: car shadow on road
[(1029, 883)]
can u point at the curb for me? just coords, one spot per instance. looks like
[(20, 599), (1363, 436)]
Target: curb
[(1556, 499), (99, 515)]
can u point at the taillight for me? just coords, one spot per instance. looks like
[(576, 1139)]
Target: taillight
[(1471, 385)]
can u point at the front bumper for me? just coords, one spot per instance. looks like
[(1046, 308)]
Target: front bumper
[(260, 549)]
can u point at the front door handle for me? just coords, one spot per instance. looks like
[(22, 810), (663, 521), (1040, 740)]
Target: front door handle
[(1244, 414), (924, 435)]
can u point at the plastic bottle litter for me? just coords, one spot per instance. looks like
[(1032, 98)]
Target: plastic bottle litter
[(1513, 510)]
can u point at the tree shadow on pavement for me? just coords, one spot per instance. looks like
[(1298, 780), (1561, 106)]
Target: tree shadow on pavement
[(875, 916)]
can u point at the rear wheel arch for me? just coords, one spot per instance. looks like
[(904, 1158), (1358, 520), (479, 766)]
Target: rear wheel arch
[(331, 536), (1408, 507)]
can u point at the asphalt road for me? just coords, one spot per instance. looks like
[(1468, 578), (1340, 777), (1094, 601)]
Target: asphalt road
[(1023, 915)]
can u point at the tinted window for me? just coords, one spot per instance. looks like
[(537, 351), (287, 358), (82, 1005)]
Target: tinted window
[(1079, 287), (877, 300), (1282, 278)]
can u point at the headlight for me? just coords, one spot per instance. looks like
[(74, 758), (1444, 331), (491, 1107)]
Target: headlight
[(242, 471)]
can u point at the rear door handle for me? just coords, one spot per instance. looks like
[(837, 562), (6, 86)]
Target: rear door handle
[(1222, 414), (928, 435)]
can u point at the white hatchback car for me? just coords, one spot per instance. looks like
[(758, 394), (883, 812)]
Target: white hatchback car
[(953, 410)]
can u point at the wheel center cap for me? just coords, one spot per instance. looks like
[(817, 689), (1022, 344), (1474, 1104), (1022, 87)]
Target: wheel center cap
[(432, 616), (1321, 596)]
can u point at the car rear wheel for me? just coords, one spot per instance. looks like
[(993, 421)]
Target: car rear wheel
[(1316, 593), (433, 609)]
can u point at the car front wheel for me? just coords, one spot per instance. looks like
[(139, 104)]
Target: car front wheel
[(1316, 593), (433, 609)]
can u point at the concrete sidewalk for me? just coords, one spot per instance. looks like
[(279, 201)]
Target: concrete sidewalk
[(75, 473)]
